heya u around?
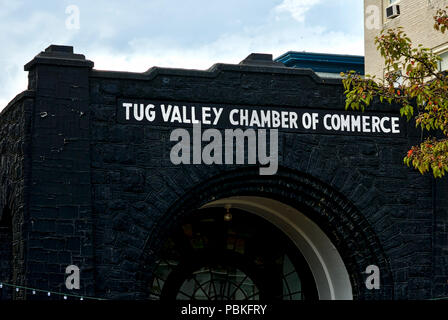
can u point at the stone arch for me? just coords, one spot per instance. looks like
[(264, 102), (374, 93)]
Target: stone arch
[(346, 227)]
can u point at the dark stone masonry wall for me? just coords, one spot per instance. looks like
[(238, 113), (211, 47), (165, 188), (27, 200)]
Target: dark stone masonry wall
[(440, 239), (61, 229), (134, 181), (15, 130), (104, 195)]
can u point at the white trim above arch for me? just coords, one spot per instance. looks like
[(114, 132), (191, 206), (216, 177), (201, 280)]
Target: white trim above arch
[(329, 271)]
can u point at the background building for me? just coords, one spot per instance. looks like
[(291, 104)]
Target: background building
[(416, 18), (325, 65)]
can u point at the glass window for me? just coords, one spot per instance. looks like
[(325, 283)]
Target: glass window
[(235, 261), (395, 76), (443, 65)]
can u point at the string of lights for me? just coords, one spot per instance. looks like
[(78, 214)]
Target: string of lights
[(49, 293)]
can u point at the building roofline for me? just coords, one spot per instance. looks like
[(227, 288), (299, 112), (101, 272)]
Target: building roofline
[(323, 62), (316, 54)]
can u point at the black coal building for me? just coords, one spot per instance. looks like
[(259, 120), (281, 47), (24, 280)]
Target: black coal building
[(80, 185)]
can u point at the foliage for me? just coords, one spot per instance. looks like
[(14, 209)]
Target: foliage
[(413, 81)]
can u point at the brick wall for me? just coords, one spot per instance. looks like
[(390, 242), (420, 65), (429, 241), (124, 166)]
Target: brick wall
[(134, 184), (416, 18), (103, 195), (61, 229)]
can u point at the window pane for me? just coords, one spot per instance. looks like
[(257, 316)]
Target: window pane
[(444, 62)]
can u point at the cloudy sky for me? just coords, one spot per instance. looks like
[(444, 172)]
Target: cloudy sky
[(134, 35)]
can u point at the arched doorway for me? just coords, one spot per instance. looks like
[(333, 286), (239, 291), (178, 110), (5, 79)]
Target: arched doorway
[(338, 242), (231, 254), (327, 267)]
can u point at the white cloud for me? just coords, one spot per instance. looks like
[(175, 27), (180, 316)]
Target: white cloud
[(21, 41), (16, 83), (228, 48), (297, 8), (275, 37), (8, 7)]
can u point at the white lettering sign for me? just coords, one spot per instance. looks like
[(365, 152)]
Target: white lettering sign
[(230, 117)]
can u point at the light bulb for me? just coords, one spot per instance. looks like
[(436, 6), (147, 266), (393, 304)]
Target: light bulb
[(227, 215)]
